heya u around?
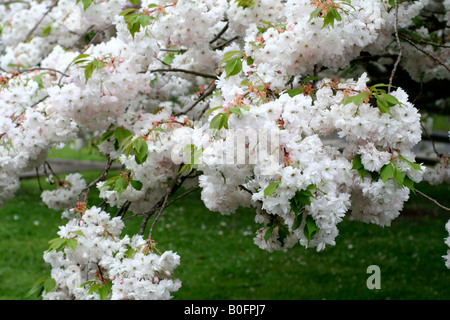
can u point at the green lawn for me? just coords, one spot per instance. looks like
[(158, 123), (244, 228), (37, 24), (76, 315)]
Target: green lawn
[(220, 261)]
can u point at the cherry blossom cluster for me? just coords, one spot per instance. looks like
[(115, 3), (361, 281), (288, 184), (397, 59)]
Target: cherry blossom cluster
[(90, 259)]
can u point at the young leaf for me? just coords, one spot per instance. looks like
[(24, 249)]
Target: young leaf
[(357, 163), (268, 233), (89, 69), (270, 189), (136, 184), (140, 148), (49, 284), (399, 176), (407, 182), (386, 172), (71, 243), (227, 56), (121, 185), (310, 228), (233, 67), (293, 92)]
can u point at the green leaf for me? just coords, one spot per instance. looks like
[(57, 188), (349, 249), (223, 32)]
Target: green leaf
[(227, 56), (136, 184), (127, 11), (78, 232), (89, 69), (140, 148), (93, 288), (357, 99), (49, 284), (212, 110), (383, 105), (233, 67), (86, 3), (121, 133), (270, 189), (103, 292), (399, 176), (310, 228), (386, 172), (71, 243), (236, 110), (250, 61), (357, 163), (219, 121), (121, 185), (315, 13), (37, 288), (134, 2), (294, 92), (407, 182), (415, 166), (105, 136), (56, 244), (297, 221), (144, 20), (390, 99), (268, 233), (336, 14)]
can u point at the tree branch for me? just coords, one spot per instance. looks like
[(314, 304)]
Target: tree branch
[(400, 50), (200, 74), (40, 20), (431, 199), (424, 52)]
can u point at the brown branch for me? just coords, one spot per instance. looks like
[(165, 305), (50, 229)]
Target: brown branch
[(205, 94), (431, 199), (40, 68), (220, 33), (102, 176), (424, 52), (40, 20), (200, 74), (400, 50), (432, 141)]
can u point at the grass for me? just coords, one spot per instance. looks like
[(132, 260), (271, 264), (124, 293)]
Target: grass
[(220, 261)]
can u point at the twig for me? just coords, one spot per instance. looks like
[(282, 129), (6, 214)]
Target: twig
[(226, 42), (102, 176), (84, 50), (400, 50), (159, 215), (40, 68), (40, 20), (38, 179), (207, 92), (432, 141), (35, 104), (156, 208), (204, 75), (431, 199), (220, 33), (425, 52)]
